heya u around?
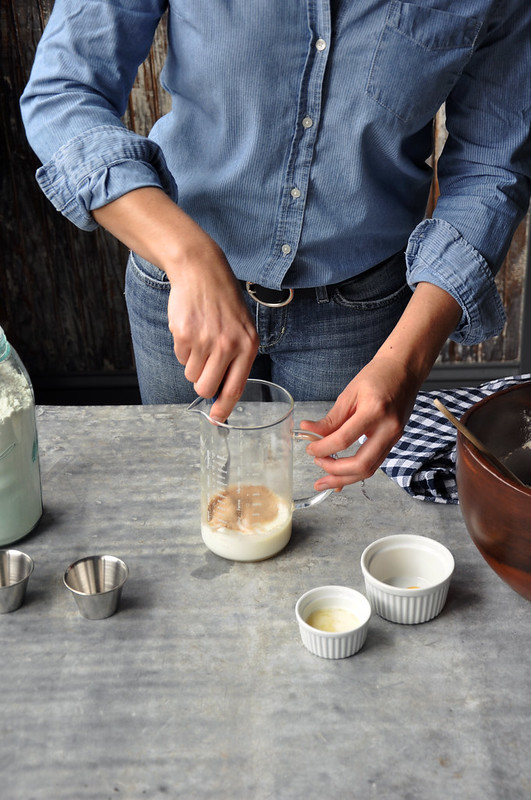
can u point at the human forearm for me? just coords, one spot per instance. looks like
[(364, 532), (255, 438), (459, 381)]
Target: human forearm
[(416, 341), (148, 222), (378, 401), (213, 333)]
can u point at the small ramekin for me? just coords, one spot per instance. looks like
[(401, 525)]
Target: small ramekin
[(407, 577), (328, 644)]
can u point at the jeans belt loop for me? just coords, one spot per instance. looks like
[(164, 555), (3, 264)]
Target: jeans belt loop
[(321, 293)]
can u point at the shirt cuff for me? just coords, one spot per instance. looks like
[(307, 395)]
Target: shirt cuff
[(438, 254), (99, 166)]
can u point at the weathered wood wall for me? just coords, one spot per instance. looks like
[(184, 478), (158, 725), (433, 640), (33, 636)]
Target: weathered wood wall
[(61, 289)]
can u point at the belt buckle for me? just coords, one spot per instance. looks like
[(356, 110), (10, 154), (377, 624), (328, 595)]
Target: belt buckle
[(253, 289)]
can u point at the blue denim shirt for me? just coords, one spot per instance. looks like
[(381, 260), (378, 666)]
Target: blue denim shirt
[(300, 131)]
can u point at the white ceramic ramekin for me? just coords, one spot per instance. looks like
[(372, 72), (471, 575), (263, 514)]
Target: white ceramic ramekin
[(407, 577), (328, 644)]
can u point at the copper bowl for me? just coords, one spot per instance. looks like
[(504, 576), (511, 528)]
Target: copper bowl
[(496, 510)]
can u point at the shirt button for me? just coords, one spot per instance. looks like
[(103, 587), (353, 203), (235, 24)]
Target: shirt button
[(295, 193), (286, 249), (307, 122), (320, 44)]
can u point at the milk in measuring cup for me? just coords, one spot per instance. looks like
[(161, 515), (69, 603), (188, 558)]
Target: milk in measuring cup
[(246, 523)]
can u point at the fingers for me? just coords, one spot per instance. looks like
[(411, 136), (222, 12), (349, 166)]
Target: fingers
[(340, 430), (344, 470), (337, 428), (224, 370), (376, 404), (232, 387), (215, 340), (352, 469), (341, 439)]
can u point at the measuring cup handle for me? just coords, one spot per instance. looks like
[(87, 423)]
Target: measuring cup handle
[(308, 502)]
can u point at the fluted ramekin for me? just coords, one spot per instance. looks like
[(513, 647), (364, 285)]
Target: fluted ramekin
[(407, 577), (327, 644)]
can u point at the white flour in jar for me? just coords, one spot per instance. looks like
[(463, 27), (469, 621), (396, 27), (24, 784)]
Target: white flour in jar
[(20, 483)]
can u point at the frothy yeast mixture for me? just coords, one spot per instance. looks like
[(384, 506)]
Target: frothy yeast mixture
[(246, 509), (247, 523)]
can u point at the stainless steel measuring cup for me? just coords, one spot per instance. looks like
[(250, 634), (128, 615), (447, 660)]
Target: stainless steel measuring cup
[(96, 583), (16, 569), (247, 474)]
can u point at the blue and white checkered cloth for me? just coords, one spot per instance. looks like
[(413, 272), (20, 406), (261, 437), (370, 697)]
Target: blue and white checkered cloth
[(423, 461)]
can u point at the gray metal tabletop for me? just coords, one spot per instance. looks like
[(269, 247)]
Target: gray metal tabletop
[(200, 687)]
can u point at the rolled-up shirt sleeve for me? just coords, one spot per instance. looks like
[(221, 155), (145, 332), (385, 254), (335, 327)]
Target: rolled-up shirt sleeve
[(72, 106), (484, 177), (438, 254), (99, 166)]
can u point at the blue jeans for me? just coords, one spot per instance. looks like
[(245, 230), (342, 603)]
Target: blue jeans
[(313, 347)]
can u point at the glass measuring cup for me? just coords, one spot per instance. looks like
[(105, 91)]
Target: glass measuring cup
[(247, 474)]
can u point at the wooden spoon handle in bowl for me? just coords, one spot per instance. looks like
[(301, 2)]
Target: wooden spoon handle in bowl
[(499, 465)]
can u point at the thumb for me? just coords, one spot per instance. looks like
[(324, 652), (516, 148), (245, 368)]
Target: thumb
[(321, 426), (324, 426), (329, 427)]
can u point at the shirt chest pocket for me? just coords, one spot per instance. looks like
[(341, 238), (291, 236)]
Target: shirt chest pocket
[(419, 57)]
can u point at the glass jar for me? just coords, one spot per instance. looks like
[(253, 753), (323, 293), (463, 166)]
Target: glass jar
[(20, 479)]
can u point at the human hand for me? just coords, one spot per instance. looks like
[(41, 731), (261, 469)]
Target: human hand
[(213, 332), (377, 403)]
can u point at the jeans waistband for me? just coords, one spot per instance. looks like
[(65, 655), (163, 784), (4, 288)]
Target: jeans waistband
[(277, 298)]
